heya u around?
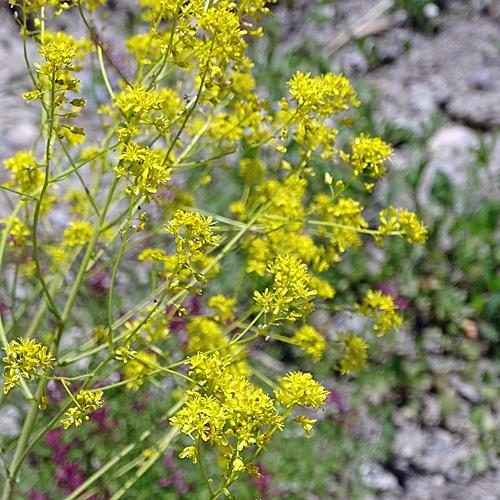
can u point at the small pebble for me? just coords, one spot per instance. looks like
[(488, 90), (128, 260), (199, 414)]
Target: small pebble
[(431, 11), (480, 80)]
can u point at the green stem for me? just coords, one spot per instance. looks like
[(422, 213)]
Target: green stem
[(162, 446), (22, 443), (83, 266), (113, 278), (200, 463), (36, 252)]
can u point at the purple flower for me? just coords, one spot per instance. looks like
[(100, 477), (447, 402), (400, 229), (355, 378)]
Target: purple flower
[(100, 417), (177, 480), (34, 495), (99, 281), (169, 461), (387, 289), (53, 438), (262, 483), (3, 307), (68, 477), (339, 402)]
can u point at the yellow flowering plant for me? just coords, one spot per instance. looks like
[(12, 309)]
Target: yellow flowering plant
[(187, 186)]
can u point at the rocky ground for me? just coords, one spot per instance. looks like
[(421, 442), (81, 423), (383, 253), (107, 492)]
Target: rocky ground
[(453, 72)]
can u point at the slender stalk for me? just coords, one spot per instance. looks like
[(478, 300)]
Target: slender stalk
[(22, 443), (200, 463), (36, 252), (113, 278), (150, 461)]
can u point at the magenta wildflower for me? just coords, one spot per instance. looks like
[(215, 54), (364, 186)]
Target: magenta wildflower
[(387, 289), (100, 417), (177, 480), (68, 477), (169, 461), (263, 483), (34, 495), (3, 307), (98, 281), (339, 402)]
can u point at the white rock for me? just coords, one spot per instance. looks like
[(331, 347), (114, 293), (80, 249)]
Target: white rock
[(9, 421), (376, 478), (451, 150)]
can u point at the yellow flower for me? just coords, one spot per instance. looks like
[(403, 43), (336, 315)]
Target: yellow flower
[(306, 423), (190, 452), (78, 233), (87, 402), (224, 308), (300, 389), (290, 294), (369, 154), (310, 341), (404, 222), (147, 168), (354, 352), (134, 368), (26, 176), (381, 307), (17, 230), (25, 358)]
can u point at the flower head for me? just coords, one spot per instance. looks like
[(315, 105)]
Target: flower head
[(25, 358)]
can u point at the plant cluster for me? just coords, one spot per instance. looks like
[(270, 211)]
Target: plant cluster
[(140, 199)]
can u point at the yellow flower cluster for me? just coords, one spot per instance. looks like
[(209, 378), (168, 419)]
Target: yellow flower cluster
[(283, 231), (369, 155), (142, 108), (137, 367), (27, 178), (317, 98), (300, 389), (25, 175), (325, 95), (198, 232), (354, 352), (146, 167), (57, 67), (228, 412), (203, 334), (310, 341), (55, 79), (224, 308), (78, 233), (403, 222), (34, 6), (194, 236), (252, 169), (232, 414), (86, 402), (16, 229), (25, 359), (382, 308), (290, 296), (343, 218)]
